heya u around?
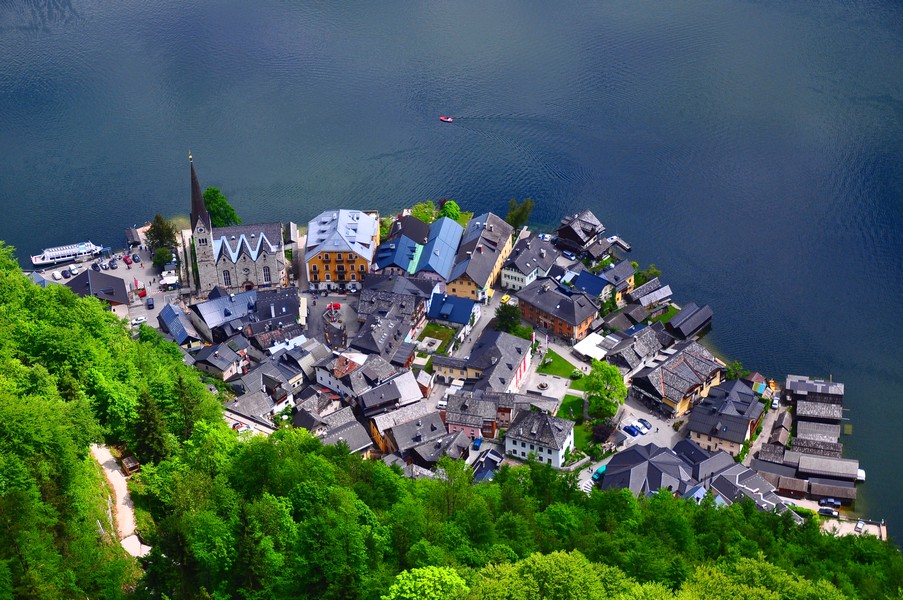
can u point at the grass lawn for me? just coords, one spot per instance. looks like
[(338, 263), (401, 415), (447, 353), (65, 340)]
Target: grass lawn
[(557, 366), (570, 402), (440, 332), (666, 316), (582, 437), (579, 384)]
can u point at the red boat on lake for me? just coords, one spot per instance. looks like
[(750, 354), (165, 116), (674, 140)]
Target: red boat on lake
[(445, 119)]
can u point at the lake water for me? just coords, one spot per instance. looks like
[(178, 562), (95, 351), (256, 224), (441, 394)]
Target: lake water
[(752, 150)]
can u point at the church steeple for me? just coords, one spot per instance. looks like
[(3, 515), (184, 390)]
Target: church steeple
[(198, 208)]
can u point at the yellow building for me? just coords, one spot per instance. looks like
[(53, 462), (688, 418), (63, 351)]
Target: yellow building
[(680, 380), (340, 248), (485, 246)]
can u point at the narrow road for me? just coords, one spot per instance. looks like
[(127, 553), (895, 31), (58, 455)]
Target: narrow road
[(124, 512)]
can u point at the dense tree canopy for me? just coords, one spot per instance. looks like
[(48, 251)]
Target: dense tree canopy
[(605, 390), (287, 517), (519, 212), (450, 209), (161, 233), (221, 212)]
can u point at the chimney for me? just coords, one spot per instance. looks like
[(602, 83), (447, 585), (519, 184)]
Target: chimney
[(542, 252), (480, 248)]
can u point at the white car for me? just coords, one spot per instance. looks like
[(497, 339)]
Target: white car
[(775, 403), (57, 276), (74, 270), (139, 320), (640, 427)]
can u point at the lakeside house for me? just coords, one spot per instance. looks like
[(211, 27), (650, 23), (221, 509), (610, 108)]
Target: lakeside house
[(579, 232), (485, 245), (726, 418), (678, 378), (438, 255), (530, 259), (340, 249)]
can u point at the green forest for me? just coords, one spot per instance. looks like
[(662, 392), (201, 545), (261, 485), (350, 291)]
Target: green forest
[(251, 517)]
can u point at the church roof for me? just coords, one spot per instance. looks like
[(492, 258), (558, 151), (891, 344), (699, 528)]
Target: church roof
[(247, 240)]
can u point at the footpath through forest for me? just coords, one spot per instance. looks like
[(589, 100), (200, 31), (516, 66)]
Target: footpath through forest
[(124, 512)]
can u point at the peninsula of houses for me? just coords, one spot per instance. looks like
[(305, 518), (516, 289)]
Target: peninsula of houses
[(383, 334)]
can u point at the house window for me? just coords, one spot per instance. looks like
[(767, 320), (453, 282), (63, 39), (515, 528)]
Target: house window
[(550, 461), (266, 275), (351, 256), (227, 278), (327, 277), (353, 276), (522, 453), (531, 447), (326, 256), (315, 277), (523, 444), (361, 269)]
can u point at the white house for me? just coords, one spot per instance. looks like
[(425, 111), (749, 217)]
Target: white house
[(530, 259), (546, 437)]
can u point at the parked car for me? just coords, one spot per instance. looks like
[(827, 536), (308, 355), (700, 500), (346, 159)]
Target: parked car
[(828, 512), (546, 237), (640, 427), (57, 276), (569, 255), (95, 266), (505, 298), (829, 502), (241, 427), (74, 270), (136, 258), (599, 474), (775, 403), (105, 265), (646, 424), (335, 306), (114, 264), (633, 431), (66, 274), (139, 320), (127, 259), (860, 525), (150, 303)]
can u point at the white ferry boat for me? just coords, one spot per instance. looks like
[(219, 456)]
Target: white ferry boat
[(59, 254)]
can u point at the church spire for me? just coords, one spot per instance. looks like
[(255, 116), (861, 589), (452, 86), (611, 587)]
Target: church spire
[(198, 208)]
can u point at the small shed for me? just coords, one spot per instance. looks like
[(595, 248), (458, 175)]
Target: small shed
[(130, 465)]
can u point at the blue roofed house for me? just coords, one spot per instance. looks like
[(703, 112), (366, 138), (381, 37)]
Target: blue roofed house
[(438, 254), (460, 313), (593, 285), (176, 322), (621, 277), (397, 256)]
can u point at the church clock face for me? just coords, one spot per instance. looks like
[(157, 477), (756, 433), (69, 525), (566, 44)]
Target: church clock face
[(200, 230)]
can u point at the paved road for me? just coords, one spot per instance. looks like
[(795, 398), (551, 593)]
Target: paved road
[(124, 512)]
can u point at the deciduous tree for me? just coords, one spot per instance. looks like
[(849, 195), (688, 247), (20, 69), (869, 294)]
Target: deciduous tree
[(450, 209), (221, 212), (507, 318), (428, 583), (605, 390)]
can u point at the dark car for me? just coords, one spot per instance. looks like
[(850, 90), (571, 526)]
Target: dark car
[(150, 303), (646, 424), (828, 512), (136, 258), (114, 264), (95, 266), (829, 502), (66, 273), (632, 430)]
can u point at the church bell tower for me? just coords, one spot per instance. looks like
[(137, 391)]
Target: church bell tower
[(202, 235)]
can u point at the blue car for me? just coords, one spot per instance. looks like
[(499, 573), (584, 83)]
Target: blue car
[(599, 474), (632, 430)]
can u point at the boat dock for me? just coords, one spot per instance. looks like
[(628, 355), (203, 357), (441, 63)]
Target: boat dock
[(616, 240)]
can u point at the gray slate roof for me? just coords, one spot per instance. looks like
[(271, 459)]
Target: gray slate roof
[(633, 350), (253, 404), (397, 284), (223, 309), (689, 366), (401, 389), (418, 431), (99, 285), (453, 445), (481, 245), (540, 428), (801, 386), (582, 227), (547, 296), (343, 427), (220, 356), (818, 410), (646, 469), (410, 227), (530, 254), (727, 412), (690, 320), (838, 468), (647, 288)]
